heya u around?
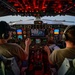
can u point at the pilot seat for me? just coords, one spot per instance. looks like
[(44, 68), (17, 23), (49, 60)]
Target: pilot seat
[(8, 66), (67, 67)]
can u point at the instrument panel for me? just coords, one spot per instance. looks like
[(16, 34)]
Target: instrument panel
[(38, 32)]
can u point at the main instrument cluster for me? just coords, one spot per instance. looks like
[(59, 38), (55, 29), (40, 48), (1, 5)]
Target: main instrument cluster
[(38, 30)]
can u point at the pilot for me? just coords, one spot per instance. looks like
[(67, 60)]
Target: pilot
[(58, 56), (12, 49)]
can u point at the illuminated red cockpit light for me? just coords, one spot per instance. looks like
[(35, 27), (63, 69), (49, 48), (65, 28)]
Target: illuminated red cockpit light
[(22, 10), (59, 6), (30, 11), (43, 10), (70, 2), (43, 7), (25, 10), (29, 7), (36, 7), (16, 4), (61, 10), (26, 5), (18, 10)]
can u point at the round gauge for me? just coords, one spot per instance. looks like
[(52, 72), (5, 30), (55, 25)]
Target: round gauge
[(51, 31), (24, 36), (61, 32), (14, 33), (24, 32)]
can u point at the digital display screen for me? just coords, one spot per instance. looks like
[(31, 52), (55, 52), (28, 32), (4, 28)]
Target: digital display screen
[(20, 37), (56, 31), (37, 32), (19, 31), (38, 41)]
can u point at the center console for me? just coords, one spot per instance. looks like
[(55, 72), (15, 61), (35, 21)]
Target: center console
[(38, 62)]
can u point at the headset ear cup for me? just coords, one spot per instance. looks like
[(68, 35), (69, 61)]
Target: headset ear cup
[(5, 35), (65, 36)]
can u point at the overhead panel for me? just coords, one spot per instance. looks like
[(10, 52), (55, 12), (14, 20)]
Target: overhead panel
[(40, 7)]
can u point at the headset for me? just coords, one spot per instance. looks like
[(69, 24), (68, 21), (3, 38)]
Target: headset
[(65, 35), (5, 35)]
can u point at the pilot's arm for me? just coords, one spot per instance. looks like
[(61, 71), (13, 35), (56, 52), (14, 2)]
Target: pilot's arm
[(51, 56), (46, 49), (27, 43)]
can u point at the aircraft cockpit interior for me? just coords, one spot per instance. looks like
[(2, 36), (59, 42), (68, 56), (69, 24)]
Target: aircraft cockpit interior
[(39, 33), (40, 21)]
